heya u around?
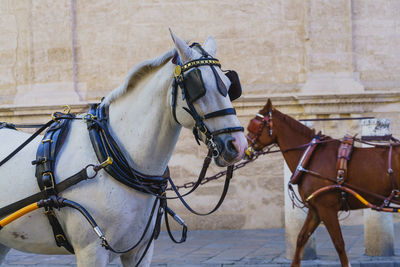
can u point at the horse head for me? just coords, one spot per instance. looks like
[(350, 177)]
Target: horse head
[(202, 98), (260, 129)]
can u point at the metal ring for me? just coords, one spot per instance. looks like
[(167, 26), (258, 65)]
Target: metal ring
[(94, 170), (215, 153)]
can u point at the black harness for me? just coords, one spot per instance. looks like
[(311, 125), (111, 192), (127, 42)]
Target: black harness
[(114, 162), (188, 77), (45, 163), (106, 148)]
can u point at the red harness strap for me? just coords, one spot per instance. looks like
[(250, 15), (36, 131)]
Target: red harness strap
[(300, 169), (344, 155)]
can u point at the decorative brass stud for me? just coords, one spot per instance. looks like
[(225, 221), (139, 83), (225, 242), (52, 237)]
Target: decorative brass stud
[(177, 71)]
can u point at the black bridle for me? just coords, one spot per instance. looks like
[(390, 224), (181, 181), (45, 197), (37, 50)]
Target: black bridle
[(188, 78)]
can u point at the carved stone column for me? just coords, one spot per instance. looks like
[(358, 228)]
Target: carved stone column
[(294, 219), (329, 48), (378, 226)]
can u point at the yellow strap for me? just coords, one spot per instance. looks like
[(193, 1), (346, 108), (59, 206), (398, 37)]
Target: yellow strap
[(310, 197), (361, 199), (18, 214)]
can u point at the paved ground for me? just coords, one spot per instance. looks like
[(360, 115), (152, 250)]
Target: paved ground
[(234, 248)]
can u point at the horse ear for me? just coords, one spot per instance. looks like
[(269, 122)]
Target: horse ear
[(210, 46), (268, 106), (184, 51)]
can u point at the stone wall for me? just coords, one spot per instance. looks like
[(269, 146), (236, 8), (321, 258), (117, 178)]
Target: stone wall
[(314, 58)]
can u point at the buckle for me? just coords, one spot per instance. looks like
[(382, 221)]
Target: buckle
[(67, 109), (260, 116), (40, 160), (54, 117), (51, 179), (49, 211), (47, 140), (60, 238), (202, 129), (301, 169), (91, 117)]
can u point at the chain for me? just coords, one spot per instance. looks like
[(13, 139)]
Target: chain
[(223, 173)]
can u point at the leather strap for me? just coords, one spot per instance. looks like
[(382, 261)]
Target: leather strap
[(344, 155), (219, 113), (295, 179), (105, 146), (27, 141), (390, 170), (184, 227), (8, 125), (45, 164), (67, 183), (221, 200), (228, 130)]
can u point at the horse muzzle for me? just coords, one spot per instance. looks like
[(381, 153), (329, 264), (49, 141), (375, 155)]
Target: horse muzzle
[(231, 148)]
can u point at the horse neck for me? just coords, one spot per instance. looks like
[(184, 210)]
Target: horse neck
[(142, 123), (290, 134)]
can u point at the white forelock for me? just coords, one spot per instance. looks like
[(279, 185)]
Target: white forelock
[(135, 73)]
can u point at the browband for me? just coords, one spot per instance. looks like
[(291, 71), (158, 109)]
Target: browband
[(195, 63)]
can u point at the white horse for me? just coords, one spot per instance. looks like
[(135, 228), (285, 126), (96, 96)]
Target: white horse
[(141, 121)]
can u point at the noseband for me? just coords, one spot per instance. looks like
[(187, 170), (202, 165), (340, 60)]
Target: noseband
[(192, 87), (256, 127)]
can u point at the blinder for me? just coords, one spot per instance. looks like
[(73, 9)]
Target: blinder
[(235, 90), (195, 89), (194, 85), (255, 126)]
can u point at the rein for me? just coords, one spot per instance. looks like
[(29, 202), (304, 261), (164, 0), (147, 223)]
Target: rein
[(55, 117)]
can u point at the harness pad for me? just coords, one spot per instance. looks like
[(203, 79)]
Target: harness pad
[(46, 155), (344, 155), (296, 176)]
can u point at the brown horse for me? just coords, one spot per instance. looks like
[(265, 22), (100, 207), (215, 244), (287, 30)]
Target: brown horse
[(367, 180)]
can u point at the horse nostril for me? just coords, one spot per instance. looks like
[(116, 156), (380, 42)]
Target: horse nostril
[(226, 147), (231, 147)]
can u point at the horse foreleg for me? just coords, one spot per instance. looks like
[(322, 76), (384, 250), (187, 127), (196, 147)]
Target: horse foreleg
[(310, 224), (91, 256), (3, 252), (131, 259), (331, 221)]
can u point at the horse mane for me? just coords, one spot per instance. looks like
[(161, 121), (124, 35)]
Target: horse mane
[(294, 124), (135, 74)]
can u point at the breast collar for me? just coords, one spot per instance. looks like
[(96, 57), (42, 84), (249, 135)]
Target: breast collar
[(107, 149)]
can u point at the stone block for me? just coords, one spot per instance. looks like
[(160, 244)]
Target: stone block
[(61, 55)]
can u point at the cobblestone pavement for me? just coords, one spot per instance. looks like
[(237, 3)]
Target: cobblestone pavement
[(265, 247)]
